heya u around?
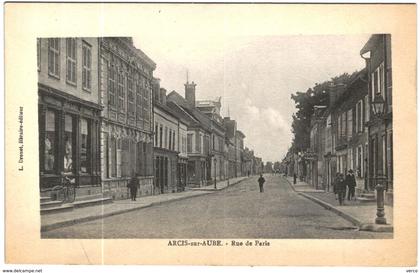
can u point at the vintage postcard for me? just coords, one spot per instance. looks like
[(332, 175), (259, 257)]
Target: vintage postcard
[(211, 134)]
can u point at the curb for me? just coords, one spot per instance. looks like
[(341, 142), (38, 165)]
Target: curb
[(346, 216), (96, 217), (362, 226)]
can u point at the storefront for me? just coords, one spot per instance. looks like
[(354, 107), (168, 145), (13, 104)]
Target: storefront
[(68, 138)]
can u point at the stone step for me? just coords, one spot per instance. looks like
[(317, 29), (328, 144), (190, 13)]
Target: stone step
[(51, 204), (92, 202), (93, 196), (45, 199), (62, 208)]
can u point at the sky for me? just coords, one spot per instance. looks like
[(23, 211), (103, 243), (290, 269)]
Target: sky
[(254, 74)]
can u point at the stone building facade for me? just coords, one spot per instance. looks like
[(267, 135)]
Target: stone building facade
[(125, 92)]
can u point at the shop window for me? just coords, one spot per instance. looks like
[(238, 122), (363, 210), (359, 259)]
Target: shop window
[(85, 146), (86, 66), (54, 57), (113, 157), (50, 142), (71, 60), (106, 155), (69, 141)]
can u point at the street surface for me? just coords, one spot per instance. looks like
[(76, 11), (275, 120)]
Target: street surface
[(240, 211)]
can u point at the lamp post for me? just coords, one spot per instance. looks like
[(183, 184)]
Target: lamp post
[(378, 104)]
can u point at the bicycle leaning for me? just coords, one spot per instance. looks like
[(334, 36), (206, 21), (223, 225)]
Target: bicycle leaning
[(66, 192)]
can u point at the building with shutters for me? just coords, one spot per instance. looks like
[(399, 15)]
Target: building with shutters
[(125, 94), (211, 108), (170, 143), (377, 53), (198, 136), (69, 111)]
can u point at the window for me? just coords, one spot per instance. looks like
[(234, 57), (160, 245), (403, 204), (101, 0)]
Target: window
[(121, 93), (86, 66), (71, 60), (160, 136), (170, 139), (339, 127), (349, 123), (173, 140), (189, 143), (165, 145), (50, 141), (146, 105), (38, 53), (111, 85), (131, 98), (85, 146), (68, 144), (54, 57), (156, 134), (139, 99), (378, 83), (198, 143)]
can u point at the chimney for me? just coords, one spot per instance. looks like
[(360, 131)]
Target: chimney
[(156, 89), (163, 96), (190, 93)]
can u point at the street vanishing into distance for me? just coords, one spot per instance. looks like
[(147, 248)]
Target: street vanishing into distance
[(239, 211)]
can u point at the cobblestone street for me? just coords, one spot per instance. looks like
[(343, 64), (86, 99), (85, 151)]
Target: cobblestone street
[(237, 212)]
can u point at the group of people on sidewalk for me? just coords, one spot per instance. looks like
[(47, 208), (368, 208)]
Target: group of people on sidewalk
[(342, 184)]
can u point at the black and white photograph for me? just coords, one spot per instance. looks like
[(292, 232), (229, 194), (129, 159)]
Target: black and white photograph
[(186, 128), (128, 150)]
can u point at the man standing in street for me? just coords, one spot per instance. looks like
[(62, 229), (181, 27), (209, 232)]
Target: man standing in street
[(261, 181), (351, 184), (133, 185)]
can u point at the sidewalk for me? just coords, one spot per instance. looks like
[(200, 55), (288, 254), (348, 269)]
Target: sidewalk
[(56, 220), (360, 214)]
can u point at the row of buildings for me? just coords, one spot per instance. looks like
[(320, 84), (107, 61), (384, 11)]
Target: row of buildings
[(354, 131), (103, 118)]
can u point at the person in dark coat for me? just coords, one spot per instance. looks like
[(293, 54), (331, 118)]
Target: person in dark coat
[(340, 185), (294, 178), (334, 184), (351, 185), (261, 182), (133, 185)]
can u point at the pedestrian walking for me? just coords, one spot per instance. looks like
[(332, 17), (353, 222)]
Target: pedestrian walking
[(294, 178), (351, 185), (133, 185), (341, 189), (261, 182)]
